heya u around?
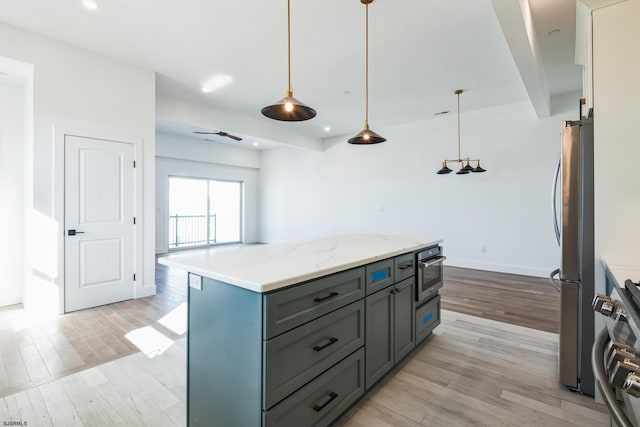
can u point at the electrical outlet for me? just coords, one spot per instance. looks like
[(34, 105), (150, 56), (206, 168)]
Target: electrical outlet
[(483, 249)]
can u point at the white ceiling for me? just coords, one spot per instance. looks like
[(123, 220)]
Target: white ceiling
[(420, 52)]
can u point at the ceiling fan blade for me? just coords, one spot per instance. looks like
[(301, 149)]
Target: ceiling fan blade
[(222, 133)]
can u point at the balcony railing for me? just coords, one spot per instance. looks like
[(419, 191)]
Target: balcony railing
[(191, 230)]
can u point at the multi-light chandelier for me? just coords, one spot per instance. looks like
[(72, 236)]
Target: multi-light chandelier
[(467, 167)]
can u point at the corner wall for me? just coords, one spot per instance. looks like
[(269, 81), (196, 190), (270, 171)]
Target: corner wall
[(12, 141), (393, 188), (80, 90)]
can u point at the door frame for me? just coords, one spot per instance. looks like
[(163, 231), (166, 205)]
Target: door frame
[(60, 133)]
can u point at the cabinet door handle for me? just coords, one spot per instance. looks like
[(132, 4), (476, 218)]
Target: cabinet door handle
[(332, 395), (332, 340), (397, 290), (331, 295), (393, 291)]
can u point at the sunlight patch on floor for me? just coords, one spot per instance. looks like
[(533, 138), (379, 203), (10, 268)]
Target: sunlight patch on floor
[(149, 341)]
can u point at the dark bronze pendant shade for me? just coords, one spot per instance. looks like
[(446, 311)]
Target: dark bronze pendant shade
[(366, 136), (289, 109), (478, 168), (445, 169), (466, 168)]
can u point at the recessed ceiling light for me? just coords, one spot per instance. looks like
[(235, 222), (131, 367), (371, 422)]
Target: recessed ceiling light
[(90, 4), (327, 128), (216, 82), (440, 113), (255, 144)]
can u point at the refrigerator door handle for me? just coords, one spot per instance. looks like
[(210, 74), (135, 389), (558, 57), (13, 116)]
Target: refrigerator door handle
[(553, 281), (554, 202)]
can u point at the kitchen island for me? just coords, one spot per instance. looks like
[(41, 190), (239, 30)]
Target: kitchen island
[(294, 333)]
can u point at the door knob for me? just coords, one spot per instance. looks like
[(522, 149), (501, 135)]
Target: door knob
[(74, 232)]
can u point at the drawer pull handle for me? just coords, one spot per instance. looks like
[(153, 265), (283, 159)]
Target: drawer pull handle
[(398, 290), (405, 266), (331, 295), (332, 395), (332, 340)]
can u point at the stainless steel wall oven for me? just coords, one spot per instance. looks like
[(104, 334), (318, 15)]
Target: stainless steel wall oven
[(430, 275)]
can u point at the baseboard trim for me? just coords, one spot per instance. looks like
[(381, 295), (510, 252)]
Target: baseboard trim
[(500, 268)]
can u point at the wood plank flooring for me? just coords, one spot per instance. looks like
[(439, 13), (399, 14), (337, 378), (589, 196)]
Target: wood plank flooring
[(477, 372), (34, 351), (520, 300), (471, 372), (80, 369)]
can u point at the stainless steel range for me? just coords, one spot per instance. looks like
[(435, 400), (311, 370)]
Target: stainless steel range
[(615, 357)]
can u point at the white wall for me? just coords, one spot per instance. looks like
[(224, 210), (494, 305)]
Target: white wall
[(79, 90), (616, 71), (11, 192), (393, 188), (179, 156)]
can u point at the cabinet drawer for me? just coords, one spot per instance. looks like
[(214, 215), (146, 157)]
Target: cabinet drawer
[(322, 400), (404, 266), (379, 275), (286, 309), (427, 318), (296, 357)]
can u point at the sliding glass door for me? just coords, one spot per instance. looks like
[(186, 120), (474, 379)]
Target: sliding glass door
[(204, 212)]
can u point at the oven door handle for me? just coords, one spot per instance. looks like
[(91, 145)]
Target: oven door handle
[(434, 261), (602, 380)]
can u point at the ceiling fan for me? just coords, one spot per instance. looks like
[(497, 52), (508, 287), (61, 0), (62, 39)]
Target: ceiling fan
[(221, 133)]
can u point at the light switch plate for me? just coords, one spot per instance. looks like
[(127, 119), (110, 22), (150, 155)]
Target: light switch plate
[(195, 281)]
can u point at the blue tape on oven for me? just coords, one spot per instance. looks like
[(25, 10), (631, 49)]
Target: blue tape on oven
[(426, 318)]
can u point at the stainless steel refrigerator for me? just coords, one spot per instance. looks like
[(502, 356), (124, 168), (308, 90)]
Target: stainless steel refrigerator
[(572, 197)]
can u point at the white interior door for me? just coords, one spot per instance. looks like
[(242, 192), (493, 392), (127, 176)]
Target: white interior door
[(99, 222)]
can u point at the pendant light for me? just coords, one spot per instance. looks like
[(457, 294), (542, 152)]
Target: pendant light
[(367, 136), (467, 167), (289, 109)]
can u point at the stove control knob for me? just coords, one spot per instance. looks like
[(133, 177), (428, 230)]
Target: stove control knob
[(599, 302), (607, 308), (632, 385), (621, 371), (620, 314), (620, 355), (613, 346)]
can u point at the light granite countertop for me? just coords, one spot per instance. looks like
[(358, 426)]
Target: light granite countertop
[(264, 268)]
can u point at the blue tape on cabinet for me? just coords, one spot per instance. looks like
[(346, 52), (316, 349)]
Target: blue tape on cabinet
[(426, 318), (380, 275)]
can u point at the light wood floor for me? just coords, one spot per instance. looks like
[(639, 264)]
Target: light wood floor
[(473, 371)]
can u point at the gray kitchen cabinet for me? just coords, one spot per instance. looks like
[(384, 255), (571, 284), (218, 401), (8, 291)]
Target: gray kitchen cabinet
[(390, 328), (379, 335), (379, 275), (300, 355), (427, 318), (404, 319)]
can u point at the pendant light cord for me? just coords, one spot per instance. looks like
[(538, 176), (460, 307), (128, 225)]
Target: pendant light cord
[(459, 125), (289, 47), (366, 97)]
